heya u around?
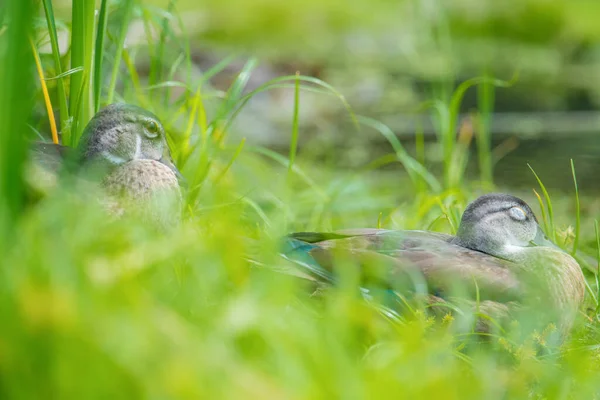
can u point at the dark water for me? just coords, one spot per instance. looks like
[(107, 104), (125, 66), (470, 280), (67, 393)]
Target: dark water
[(550, 157), (551, 160)]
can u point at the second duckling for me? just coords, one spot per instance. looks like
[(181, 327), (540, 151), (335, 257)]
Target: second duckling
[(500, 255)]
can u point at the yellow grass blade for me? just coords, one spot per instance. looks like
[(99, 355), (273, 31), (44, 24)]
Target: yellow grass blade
[(38, 64)]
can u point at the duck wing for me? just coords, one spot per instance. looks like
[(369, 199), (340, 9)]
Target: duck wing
[(50, 156), (399, 260), (46, 163)]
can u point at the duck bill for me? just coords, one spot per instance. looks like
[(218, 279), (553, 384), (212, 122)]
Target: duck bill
[(172, 167), (542, 240)]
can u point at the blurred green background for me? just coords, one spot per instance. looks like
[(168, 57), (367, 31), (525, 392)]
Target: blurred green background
[(390, 57), (402, 112)]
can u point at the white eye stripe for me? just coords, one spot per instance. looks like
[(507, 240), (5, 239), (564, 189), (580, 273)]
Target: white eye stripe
[(138, 147), (517, 213), (113, 158)]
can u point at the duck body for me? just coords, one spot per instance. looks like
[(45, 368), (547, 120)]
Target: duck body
[(499, 258), (146, 189), (123, 150), (406, 256)]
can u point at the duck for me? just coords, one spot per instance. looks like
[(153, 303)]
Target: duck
[(123, 149), (500, 260)]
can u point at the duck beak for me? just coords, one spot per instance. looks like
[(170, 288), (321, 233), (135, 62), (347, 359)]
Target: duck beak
[(169, 163), (542, 240)]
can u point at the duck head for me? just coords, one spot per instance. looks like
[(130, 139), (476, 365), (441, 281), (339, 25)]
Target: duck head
[(120, 133), (501, 225)]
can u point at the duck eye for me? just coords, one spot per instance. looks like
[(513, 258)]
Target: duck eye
[(152, 129), (518, 213)]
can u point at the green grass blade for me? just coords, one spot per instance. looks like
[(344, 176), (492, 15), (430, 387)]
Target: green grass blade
[(542, 209), (77, 61), (186, 47), (485, 100), (597, 274), (79, 101), (62, 94), (413, 167), (82, 41), (218, 67), (15, 107), (552, 232), (206, 76), (38, 135), (235, 156), (477, 305), (259, 211), (65, 74), (420, 154), (47, 101), (297, 170), (187, 135), (577, 211), (127, 12), (235, 91), (446, 212), (156, 71), (277, 81), (294, 140), (135, 80), (146, 19), (99, 53), (448, 133)]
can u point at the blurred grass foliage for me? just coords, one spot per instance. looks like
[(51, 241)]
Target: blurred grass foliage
[(93, 307)]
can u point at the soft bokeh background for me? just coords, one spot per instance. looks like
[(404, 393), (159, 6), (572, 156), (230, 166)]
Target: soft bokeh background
[(389, 57), (389, 135)]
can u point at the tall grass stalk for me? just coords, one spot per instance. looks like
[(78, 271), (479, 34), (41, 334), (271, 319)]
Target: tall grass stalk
[(280, 82), (135, 80), (446, 108), (234, 157), (75, 281), (597, 274), (551, 230), (187, 136), (453, 172), (82, 53), (126, 17), (99, 52), (420, 154), (295, 123), (49, 110), (158, 61), (577, 211), (77, 53), (413, 167), (15, 108), (61, 91), (485, 101), (321, 194), (542, 210)]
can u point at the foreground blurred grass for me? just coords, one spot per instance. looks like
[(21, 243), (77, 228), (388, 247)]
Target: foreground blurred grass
[(93, 307)]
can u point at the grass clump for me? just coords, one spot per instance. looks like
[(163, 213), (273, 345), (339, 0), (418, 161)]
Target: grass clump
[(97, 307)]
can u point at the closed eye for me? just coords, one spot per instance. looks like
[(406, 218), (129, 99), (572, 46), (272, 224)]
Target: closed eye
[(517, 213)]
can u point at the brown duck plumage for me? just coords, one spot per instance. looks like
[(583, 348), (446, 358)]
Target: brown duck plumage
[(499, 255), (124, 150)]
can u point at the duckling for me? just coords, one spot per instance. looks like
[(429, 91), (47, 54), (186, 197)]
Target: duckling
[(145, 188), (123, 148), (499, 255)]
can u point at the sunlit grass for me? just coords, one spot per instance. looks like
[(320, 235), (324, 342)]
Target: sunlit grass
[(97, 307), (49, 109)]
